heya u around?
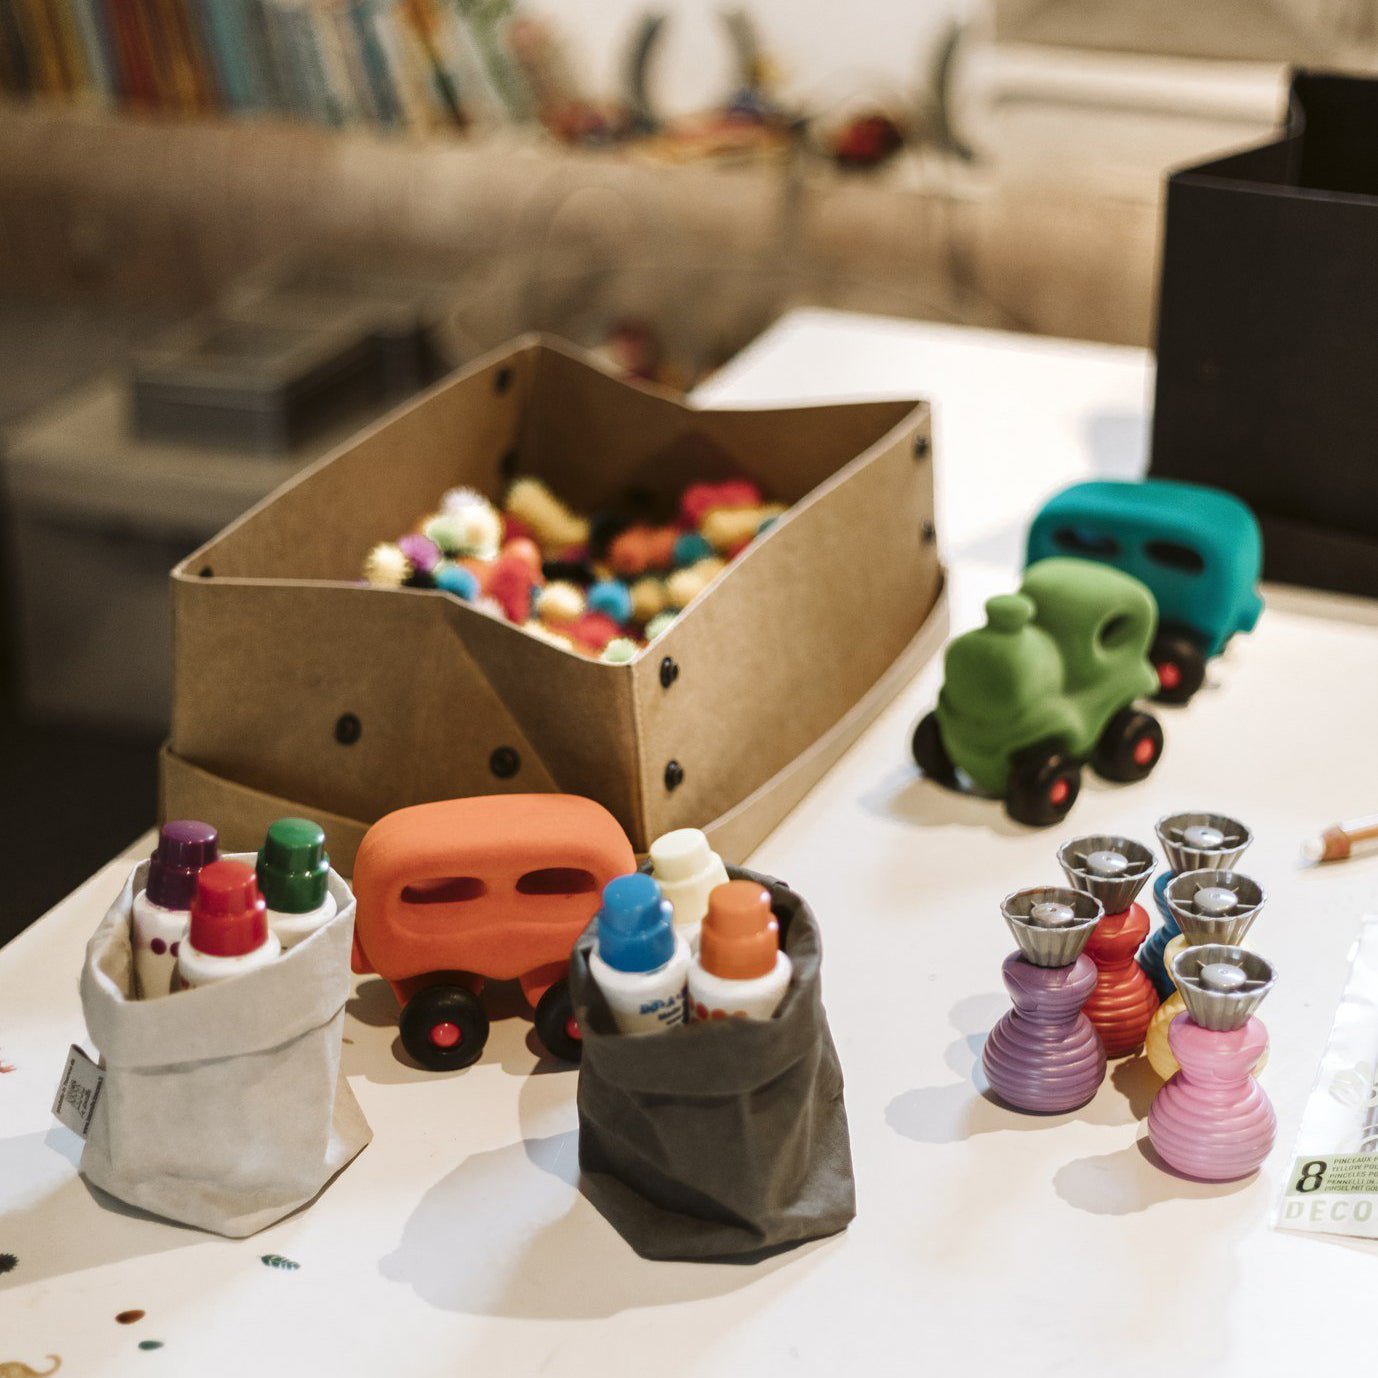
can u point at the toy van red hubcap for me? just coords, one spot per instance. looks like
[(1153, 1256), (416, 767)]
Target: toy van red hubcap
[(1169, 675), (446, 1035), (1144, 751), (1059, 792), (572, 1029)]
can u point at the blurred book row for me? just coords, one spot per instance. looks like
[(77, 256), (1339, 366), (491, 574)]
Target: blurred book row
[(413, 64)]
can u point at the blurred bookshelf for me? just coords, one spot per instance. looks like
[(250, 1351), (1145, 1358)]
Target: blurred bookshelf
[(395, 64)]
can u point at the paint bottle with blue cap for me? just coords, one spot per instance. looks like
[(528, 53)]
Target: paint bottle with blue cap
[(641, 964)]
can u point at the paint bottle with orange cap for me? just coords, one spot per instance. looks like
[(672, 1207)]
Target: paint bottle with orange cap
[(229, 933), (739, 972)]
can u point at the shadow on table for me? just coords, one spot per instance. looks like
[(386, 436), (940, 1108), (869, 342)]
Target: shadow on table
[(511, 1043), (903, 793), (59, 1234), (963, 1109), (1135, 1179), (507, 1233)]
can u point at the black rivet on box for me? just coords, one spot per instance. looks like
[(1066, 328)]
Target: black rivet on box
[(348, 729), (205, 572), (502, 380), (504, 762), (922, 445), (928, 531), (674, 775), (507, 465), (669, 672)]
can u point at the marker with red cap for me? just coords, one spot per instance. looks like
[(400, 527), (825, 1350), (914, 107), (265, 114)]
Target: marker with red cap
[(229, 933), (740, 972), (162, 911)]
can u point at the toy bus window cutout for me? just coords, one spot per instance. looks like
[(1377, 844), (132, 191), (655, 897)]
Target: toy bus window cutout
[(557, 880), (1175, 556), (444, 890), (1090, 545)]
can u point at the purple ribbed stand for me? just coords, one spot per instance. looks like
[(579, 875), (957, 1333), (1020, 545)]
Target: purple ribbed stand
[(1045, 1055)]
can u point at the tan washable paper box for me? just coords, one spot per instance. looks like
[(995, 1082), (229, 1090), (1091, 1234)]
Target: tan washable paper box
[(297, 689)]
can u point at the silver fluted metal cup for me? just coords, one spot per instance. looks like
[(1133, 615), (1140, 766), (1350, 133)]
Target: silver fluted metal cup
[(1214, 906), (1108, 868), (1222, 985), (1202, 841), (1051, 923)]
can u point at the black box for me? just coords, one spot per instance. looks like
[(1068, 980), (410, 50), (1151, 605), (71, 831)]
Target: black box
[(1268, 334)]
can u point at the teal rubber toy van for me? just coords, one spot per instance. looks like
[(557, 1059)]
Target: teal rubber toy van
[(1197, 549)]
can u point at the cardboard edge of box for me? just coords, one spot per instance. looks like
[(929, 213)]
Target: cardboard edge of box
[(242, 814)]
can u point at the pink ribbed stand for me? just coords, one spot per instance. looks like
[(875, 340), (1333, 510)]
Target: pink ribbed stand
[(1213, 1120)]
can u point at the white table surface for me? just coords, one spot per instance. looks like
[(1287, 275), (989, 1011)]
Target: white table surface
[(458, 1241)]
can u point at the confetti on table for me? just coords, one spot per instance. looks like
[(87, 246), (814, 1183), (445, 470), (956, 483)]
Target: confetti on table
[(8, 1263), (150, 1344), (277, 1261), (15, 1369), (129, 1317)]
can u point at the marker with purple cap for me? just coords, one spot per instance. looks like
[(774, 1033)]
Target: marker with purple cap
[(163, 910)]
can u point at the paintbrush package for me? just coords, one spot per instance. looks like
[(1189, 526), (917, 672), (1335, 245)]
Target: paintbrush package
[(223, 1106), (1332, 1180)]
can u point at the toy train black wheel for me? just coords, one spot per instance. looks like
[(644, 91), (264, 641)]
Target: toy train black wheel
[(930, 755), (1043, 785), (556, 1025), (1129, 747), (1180, 663), (444, 1028)]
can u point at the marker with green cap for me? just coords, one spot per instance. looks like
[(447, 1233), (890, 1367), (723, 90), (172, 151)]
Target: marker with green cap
[(293, 870)]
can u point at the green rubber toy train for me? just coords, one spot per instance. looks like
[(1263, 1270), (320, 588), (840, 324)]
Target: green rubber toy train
[(1048, 685)]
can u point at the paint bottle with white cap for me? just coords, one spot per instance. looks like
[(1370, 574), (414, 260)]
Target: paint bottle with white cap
[(740, 972), (293, 876), (686, 868), (163, 909), (639, 960), (228, 934)]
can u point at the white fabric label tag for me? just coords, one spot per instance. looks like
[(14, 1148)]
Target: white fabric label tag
[(78, 1092)]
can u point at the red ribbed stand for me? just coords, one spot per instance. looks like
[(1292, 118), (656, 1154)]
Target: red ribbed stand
[(1124, 998)]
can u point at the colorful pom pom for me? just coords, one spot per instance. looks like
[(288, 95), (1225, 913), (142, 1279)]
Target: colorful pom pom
[(448, 530), (423, 552), (613, 597), (458, 499), (726, 527), (659, 623), (559, 603), (386, 567), (453, 578), (552, 523), (619, 650), (593, 630), (684, 585), (700, 499), (648, 597), (512, 584), (690, 548)]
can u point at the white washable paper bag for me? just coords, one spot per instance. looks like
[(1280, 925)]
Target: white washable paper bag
[(224, 1106)]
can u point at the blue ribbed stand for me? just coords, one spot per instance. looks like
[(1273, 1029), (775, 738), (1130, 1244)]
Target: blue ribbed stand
[(1151, 953)]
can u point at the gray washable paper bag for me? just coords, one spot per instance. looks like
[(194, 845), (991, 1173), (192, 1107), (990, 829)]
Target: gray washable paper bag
[(225, 1106), (719, 1140)]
